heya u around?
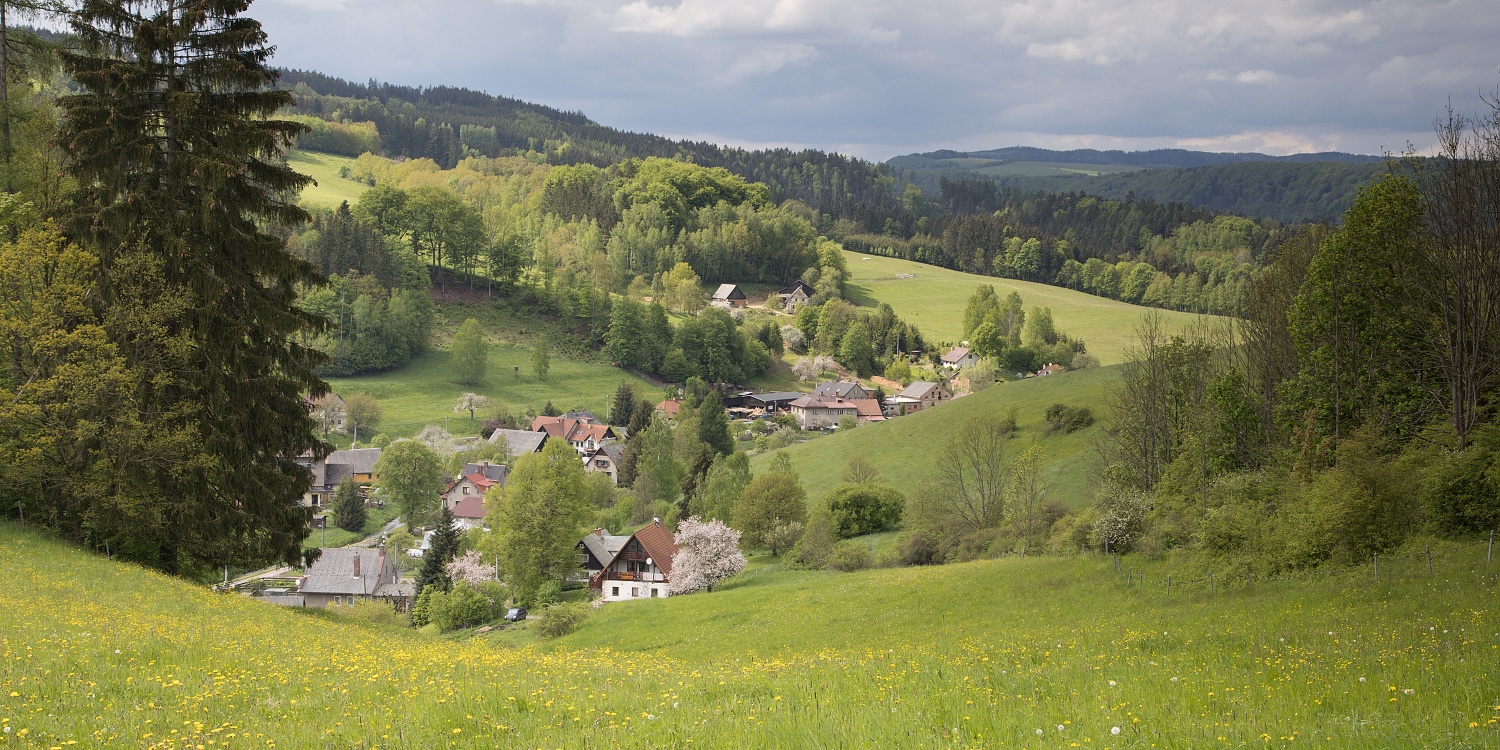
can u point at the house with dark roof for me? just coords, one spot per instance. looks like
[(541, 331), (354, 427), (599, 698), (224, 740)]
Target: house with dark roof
[(841, 389), (598, 549), (728, 295), (795, 295), (343, 575), (476, 480), (640, 569), (605, 458), (469, 512), (361, 462), (357, 464), (520, 442), (774, 401)]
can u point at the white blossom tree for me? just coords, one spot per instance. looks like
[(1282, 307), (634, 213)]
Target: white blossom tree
[(470, 402), (791, 336), (330, 413), (824, 363), (804, 369), (469, 569), (708, 552)]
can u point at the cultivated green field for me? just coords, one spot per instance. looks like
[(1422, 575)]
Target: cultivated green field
[(933, 298), (905, 449), (1039, 653), (424, 392), (331, 189)]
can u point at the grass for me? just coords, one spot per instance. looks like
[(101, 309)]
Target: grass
[(905, 449), (331, 189), (933, 298), (982, 654), (424, 392), (375, 519)]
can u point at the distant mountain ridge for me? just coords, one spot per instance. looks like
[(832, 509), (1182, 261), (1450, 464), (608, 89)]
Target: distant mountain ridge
[(1165, 157)]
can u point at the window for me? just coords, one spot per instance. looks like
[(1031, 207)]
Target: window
[(635, 591), (466, 489), (614, 590), (653, 592)]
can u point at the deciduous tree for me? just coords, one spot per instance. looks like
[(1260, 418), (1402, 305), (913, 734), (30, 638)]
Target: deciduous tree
[(468, 354), (410, 475), (539, 516)]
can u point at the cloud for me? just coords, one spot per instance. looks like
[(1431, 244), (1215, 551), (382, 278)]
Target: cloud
[(882, 77)]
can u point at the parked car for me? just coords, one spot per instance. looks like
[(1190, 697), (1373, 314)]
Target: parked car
[(515, 614)]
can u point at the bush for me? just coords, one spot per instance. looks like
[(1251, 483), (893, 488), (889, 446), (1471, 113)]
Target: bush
[(460, 608), (859, 509), (917, 548), (1462, 492), (849, 556), (847, 423), (1068, 418), (377, 612), (562, 619), (816, 544), (547, 594)]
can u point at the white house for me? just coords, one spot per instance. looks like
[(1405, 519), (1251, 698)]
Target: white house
[(958, 358), (640, 569)]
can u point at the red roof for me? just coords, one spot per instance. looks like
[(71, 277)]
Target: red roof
[(481, 481), (469, 507), (670, 407), (659, 544), (868, 409), (571, 430)]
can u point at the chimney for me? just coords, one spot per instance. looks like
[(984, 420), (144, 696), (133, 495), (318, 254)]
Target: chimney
[(656, 520), (598, 531), (356, 564)]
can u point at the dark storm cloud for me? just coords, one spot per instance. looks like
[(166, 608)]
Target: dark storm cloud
[(881, 77)]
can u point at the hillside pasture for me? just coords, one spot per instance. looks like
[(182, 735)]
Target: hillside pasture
[(1037, 653), (906, 449), (933, 298), (331, 189)]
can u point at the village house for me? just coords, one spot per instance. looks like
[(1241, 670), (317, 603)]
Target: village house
[(343, 575), (584, 433), (598, 549), (329, 473), (605, 458), (469, 513), (841, 389), (1051, 368), (868, 410), (640, 569), (815, 412), (670, 407), (900, 406), (958, 358), (476, 480), (774, 401), (361, 462), (520, 442), (728, 296), (923, 395), (795, 296)]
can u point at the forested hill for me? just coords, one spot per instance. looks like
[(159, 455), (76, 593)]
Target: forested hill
[(1288, 189), (445, 123)]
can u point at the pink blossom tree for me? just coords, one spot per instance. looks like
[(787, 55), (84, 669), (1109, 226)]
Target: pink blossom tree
[(468, 569), (708, 552)]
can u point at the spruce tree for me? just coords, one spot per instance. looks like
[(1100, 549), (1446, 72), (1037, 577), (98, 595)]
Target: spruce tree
[(623, 410), (444, 548), (348, 507), (173, 142), (713, 425)]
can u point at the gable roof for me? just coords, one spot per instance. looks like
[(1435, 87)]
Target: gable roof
[(777, 396), (333, 572), (520, 442), (670, 407), (494, 472), (796, 285), (729, 291), (919, 389), (604, 546), (615, 452), (868, 409), (469, 507), (659, 544), (955, 354), (839, 389), (360, 460), (823, 402)]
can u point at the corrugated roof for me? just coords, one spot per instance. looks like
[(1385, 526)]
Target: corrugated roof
[(729, 291)]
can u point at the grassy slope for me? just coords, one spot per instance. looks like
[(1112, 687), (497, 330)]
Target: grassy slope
[(424, 392), (331, 188), (934, 300), (906, 449), (974, 655)]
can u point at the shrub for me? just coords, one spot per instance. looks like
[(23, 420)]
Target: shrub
[(865, 508), (420, 611), (917, 548), (562, 619), (1068, 418), (550, 592), (849, 556), (1121, 518), (1462, 493), (377, 612), (812, 550), (460, 608)]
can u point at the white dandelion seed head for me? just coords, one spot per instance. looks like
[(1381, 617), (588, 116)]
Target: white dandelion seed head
[(1060, 727), (1038, 731), (1408, 691), (1114, 730), (1174, 679), (1361, 679), (1112, 683)]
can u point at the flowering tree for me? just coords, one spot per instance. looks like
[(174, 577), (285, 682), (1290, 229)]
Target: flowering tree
[(824, 363), (468, 569), (708, 552), (469, 402), (804, 369)]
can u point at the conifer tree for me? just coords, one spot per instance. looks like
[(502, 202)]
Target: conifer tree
[(348, 507), (444, 548), (177, 155), (622, 412)]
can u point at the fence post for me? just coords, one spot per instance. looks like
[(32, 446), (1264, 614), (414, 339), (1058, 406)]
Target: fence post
[(1429, 560), (1377, 566)]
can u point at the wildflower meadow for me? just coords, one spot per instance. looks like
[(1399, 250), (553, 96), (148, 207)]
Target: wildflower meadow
[(1039, 653)]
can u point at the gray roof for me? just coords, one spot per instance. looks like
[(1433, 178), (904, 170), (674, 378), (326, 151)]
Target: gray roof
[(333, 573), (918, 389), (520, 442), (406, 589), (837, 388), (495, 472), (729, 291), (766, 398), (605, 547), (360, 460), (335, 474)]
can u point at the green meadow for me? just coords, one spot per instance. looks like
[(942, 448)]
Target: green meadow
[(425, 391), (331, 189), (933, 298), (906, 449), (1030, 653)]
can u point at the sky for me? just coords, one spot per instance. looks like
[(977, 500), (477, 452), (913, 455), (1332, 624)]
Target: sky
[(880, 78)]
